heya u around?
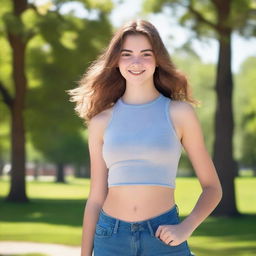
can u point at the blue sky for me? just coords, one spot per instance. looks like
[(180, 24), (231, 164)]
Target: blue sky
[(173, 35)]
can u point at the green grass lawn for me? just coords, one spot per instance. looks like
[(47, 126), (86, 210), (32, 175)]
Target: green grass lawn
[(28, 254), (55, 211)]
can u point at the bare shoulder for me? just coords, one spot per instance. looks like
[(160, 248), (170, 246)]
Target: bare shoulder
[(98, 168), (181, 107), (193, 142), (182, 114), (99, 122)]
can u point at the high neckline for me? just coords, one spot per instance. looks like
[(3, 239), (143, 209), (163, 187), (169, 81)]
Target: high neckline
[(141, 105)]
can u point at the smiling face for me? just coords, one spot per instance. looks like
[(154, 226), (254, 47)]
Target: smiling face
[(137, 61)]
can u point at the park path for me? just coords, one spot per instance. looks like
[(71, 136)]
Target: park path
[(8, 248)]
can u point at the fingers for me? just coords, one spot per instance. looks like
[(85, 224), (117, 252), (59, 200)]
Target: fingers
[(160, 231), (168, 239), (170, 243), (163, 232)]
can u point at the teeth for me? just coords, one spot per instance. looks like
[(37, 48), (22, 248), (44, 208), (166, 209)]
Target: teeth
[(136, 72)]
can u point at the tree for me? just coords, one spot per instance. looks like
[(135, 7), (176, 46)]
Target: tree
[(53, 126), (217, 19), (18, 31), (18, 39), (201, 77), (245, 104)]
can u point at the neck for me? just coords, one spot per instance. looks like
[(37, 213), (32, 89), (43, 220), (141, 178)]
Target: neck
[(140, 95)]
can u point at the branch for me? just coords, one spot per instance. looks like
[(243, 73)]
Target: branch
[(8, 100), (199, 16), (34, 7)]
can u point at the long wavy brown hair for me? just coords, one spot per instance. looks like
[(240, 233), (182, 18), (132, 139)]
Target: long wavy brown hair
[(102, 84)]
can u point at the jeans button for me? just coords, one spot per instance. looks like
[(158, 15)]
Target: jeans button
[(135, 227)]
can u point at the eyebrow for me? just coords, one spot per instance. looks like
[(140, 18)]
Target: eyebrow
[(145, 50)]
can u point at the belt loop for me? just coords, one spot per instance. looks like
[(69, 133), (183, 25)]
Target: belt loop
[(150, 228), (116, 226)]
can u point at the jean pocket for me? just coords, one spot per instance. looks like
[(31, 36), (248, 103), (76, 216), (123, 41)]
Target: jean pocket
[(161, 241), (103, 232)]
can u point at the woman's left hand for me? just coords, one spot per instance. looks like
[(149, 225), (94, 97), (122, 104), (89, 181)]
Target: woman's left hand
[(173, 234)]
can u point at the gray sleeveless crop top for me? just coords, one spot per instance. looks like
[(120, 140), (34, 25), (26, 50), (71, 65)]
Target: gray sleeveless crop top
[(140, 144)]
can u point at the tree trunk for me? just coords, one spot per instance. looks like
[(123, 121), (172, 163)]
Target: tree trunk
[(224, 124), (60, 176), (78, 170), (18, 160), (1, 167), (36, 170), (18, 188)]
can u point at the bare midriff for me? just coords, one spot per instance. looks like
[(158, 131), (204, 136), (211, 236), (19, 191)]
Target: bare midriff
[(138, 202)]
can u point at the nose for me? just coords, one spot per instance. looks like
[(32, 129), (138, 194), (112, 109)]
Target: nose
[(136, 61)]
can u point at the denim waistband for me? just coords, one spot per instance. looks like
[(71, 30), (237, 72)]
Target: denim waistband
[(136, 225)]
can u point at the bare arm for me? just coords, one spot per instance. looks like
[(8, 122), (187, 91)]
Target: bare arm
[(98, 185), (193, 142)]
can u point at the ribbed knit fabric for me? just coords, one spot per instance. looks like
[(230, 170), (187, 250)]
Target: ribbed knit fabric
[(141, 146)]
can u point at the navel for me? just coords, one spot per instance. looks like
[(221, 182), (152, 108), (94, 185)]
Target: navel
[(135, 208)]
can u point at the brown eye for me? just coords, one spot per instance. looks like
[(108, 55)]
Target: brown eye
[(125, 54)]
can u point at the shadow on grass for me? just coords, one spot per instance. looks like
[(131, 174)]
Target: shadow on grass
[(245, 251), (227, 227), (231, 236), (227, 230), (51, 211), (70, 212)]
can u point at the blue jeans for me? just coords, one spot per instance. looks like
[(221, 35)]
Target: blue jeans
[(115, 237)]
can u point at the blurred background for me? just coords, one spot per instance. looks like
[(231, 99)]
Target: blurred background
[(46, 46)]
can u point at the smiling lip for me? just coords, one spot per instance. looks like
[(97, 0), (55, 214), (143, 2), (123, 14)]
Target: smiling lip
[(136, 73)]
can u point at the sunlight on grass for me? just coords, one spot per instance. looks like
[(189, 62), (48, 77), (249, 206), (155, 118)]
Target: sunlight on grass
[(55, 212), (40, 232), (29, 254)]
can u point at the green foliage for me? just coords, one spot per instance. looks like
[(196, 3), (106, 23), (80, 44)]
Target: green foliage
[(245, 105), (30, 19), (5, 64), (241, 17), (204, 20), (56, 59), (16, 26), (4, 138), (6, 6), (202, 16), (60, 48), (180, 9), (5, 74), (103, 5), (201, 78), (153, 6)]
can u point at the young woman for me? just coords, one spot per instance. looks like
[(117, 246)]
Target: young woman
[(137, 108)]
